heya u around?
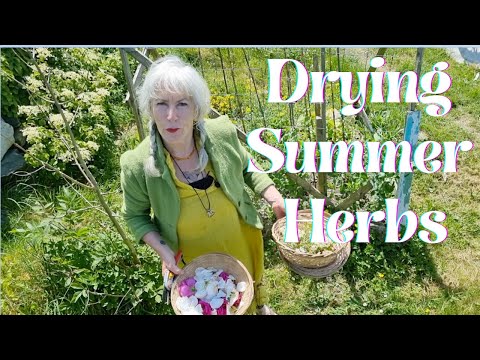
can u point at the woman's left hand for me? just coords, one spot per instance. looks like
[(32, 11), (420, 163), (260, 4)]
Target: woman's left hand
[(275, 199), (278, 208)]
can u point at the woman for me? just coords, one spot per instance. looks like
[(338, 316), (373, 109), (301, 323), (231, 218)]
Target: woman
[(191, 172)]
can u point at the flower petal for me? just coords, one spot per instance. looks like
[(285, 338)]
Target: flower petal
[(241, 286), (216, 302)]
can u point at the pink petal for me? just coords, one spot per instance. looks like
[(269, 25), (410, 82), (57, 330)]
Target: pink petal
[(190, 281), (206, 308), (222, 310), (185, 290), (237, 302), (223, 275)]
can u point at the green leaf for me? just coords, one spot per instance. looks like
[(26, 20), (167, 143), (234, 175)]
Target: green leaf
[(96, 262), (76, 296), (149, 286), (14, 231), (82, 231)]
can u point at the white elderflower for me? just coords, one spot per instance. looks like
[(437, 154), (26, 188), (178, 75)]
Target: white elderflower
[(71, 75), (67, 94), (32, 110), (92, 145), (103, 92), (56, 120), (97, 110), (32, 134), (43, 53)]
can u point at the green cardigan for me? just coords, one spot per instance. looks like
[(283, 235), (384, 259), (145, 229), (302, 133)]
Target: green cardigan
[(143, 194)]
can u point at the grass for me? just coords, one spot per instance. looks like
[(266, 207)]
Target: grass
[(408, 278)]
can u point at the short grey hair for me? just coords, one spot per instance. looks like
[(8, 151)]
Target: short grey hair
[(172, 75)]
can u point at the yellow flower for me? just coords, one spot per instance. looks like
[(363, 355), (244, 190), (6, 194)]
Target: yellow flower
[(427, 311), (380, 275)]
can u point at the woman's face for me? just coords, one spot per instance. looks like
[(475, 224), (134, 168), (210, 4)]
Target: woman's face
[(174, 115)]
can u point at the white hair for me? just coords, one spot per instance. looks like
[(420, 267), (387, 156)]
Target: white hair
[(171, 75)]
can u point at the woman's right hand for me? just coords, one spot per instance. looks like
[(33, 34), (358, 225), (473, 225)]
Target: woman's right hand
[(166, 254), (169, 264)]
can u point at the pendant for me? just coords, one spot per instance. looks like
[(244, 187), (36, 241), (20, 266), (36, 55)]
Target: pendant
[(210, 212)]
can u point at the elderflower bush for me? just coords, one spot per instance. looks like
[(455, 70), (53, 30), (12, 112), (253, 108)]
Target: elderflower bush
[(83, 80)]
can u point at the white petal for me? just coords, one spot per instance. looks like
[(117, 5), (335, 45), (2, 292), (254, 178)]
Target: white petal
[(242, 286), (193, 311), (183, 304), (229, 286), (193, 301), (199, 270), (221, 294), (215, 303), (200, 285), (221, 284), (233, 297), (203, 274), (198, 310), (211, 289), (200, 294)]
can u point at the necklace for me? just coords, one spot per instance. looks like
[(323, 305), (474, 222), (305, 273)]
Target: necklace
[(208, 209), (184, 158)]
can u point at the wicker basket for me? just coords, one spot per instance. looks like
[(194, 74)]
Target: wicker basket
[(222, 261), (300, 259), (325, 271)]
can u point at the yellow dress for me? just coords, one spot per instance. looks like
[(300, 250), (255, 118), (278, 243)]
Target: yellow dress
[(224, 232)]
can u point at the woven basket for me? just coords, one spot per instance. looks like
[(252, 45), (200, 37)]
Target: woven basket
[(227, 263), (324, 271), (299, 258)]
